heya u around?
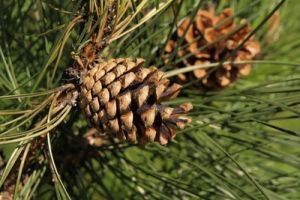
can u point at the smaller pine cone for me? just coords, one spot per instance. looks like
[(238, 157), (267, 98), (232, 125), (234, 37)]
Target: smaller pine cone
[(274, 28), (209, 39), (123, 99)]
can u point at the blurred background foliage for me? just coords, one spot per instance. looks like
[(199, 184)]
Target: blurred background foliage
[(243, 142)]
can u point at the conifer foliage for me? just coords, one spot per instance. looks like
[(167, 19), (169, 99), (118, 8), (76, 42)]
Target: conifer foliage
[(93, 93)]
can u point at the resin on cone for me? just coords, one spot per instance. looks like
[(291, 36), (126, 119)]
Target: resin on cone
[(121, 98), (211, 38)]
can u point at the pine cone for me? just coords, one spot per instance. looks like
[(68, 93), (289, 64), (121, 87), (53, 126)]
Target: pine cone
[(210, 38), (97, 139), (121, 98), (274, 28)]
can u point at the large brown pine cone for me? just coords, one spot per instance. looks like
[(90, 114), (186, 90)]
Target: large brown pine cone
[(121, 98), (210, 38)]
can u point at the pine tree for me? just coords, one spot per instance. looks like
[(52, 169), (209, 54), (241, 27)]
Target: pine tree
[(72, 126)]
